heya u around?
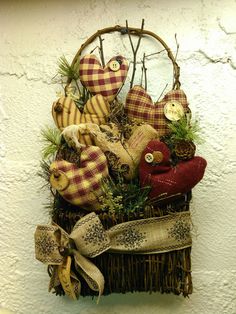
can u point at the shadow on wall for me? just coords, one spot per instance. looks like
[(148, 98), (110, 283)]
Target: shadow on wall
[(117, 303)]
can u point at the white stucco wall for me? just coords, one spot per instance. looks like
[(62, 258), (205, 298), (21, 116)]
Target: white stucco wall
[(34, 34)]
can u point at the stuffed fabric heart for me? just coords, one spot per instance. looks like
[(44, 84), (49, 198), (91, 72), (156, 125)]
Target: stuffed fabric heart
[(162, 177), (65, 113), (140, 107), (125, 154), (106, 81), (81, 185)]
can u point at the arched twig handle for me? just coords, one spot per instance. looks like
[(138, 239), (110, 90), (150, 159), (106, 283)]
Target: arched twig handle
[(132, 31)]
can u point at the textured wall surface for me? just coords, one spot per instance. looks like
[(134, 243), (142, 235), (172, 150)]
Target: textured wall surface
[(34, 34)]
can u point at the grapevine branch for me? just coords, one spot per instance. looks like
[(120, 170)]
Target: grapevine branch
[(101, 50), (123, 30), (144, 72), (176, 54), (134, 50), (162, 92)]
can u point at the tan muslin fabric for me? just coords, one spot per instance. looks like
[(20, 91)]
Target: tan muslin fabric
[(152, 235), (126, 152)]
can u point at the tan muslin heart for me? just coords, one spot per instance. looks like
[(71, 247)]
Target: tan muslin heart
[(65, 113), (140, 107), (127, 153), (106, 81)]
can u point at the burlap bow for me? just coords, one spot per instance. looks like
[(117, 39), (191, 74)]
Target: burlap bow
[(53, 246)]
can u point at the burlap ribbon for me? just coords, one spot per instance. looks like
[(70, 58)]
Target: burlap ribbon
[(53, 246)]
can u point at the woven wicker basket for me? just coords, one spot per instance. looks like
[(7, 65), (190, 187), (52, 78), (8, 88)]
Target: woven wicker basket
[(165, 272)]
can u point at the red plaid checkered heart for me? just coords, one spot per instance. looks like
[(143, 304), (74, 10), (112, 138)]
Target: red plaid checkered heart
[(105, 81), (140, 107), (81, 185)]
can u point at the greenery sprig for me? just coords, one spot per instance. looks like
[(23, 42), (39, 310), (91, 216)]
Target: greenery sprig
[(51, 138), (123, 197), (71, 72), (67, 70), (185, 130), (45, 173)]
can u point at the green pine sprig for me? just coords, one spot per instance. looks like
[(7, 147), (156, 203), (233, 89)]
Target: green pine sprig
[(185, 130), (67, 70), (51, 138), (45, 172)]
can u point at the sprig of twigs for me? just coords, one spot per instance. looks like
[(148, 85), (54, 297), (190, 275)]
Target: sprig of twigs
[(176, 55), (144, 69), (100, 49), (154, 53), (134, 49), (162, 92), (177, 47), (144, 72), (101, 52)]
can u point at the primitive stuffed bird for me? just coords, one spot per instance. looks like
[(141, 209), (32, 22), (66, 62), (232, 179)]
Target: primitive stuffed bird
[(155, 170)]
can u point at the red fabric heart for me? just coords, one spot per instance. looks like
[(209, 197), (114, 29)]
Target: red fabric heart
[(140, 107), (168, 180), (157, 146), (100, 80)]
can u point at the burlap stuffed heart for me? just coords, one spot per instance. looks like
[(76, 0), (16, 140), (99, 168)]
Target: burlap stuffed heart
[(65, 113), (126, 153), (140, 107), (106, 81), (81, 185), (155, 170)]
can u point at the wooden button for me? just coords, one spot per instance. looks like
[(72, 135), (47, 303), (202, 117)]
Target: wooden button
[(114, 66), (58, 108), (59, 180), (149, 158), (173, 110), (158, 156)]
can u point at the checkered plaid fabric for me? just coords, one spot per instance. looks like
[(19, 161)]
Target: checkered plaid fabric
[(84, 181), (140, 107), (100, 80), (96, 110)]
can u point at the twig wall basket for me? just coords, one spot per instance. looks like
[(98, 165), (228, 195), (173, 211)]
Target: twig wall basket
[(121, 176)]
